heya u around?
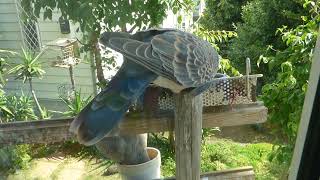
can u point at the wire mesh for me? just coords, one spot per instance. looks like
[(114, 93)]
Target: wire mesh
[(29, 28), (67, 52), (228, 91)]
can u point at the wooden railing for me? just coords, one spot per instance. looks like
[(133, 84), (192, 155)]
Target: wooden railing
[(57, 130)]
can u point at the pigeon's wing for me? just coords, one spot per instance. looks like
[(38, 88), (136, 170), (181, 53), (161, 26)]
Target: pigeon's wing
[(192, 60), (141, 53), (175, 55)]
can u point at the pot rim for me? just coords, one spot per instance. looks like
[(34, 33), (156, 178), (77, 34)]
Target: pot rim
[(145, 163)]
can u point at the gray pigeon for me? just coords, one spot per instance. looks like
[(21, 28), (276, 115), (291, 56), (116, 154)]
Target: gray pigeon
[(169, 58)]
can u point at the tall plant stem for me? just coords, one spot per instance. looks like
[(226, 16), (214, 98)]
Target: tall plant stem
[(35, 97)]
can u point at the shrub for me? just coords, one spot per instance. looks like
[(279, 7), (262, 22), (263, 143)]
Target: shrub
[(285, 96), (75, 103), (16, 157), (29, 68), (13, 158), (261, 18), (21, 108), (222, 15)]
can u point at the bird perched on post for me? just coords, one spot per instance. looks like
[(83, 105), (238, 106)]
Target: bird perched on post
[(169, 58)]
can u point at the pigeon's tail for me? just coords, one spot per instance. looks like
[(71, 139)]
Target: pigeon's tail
[(105, 111)]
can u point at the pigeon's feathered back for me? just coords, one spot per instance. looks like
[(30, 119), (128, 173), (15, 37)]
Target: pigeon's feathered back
[(169, 58), (175, 55)]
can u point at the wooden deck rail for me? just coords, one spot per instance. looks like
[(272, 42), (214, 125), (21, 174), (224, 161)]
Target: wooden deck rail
[(56, 130)]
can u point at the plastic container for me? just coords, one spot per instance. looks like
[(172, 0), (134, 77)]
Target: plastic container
[(145, 171)]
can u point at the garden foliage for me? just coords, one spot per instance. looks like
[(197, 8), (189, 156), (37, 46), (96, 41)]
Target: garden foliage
[(284, 97), (222, 155), (261, 18), (255, 23), (279, 37), (75, 103), (222, 14)]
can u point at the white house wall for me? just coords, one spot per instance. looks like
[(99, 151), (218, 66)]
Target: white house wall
[(47, 87), (9, 25)]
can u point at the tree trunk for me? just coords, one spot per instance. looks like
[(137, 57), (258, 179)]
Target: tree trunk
[(98, 62), (97, 57), (72, 79), (35, 97)]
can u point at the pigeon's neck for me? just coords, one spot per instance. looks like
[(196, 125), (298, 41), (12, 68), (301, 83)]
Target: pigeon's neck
[(169, 84)]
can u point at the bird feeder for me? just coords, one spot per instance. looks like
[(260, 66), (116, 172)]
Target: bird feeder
[(67, 57)]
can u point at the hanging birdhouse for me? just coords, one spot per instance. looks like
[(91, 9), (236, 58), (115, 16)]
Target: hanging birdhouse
[(67, 57)]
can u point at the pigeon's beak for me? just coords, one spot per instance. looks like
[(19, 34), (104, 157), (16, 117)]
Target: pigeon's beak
[(220, 75)]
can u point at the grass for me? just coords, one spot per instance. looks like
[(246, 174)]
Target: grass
[(227, 154), (219, 154)]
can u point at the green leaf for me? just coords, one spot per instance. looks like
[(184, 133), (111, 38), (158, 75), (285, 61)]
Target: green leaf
[(286, 66), (179, 19)]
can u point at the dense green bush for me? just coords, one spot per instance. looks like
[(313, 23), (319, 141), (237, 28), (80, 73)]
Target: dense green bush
[(255, 23), (284, 97), (222, 14), (261, 18)]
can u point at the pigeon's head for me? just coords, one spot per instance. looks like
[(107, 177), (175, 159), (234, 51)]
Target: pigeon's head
[(106, 36)]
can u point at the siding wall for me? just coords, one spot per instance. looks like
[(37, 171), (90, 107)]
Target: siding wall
[(9, 27), (46, 88)]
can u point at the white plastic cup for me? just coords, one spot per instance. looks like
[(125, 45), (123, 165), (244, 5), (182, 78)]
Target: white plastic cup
[(145, 171)]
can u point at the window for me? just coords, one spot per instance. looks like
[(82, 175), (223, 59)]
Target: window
[(31, 36), (29, 28)]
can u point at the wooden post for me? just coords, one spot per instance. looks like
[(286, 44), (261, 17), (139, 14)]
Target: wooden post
[(248, 71), (188, 127)]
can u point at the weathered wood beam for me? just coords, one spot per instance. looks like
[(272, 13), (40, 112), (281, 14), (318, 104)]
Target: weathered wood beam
[(243, 173), (45, 131), (215, 117)]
